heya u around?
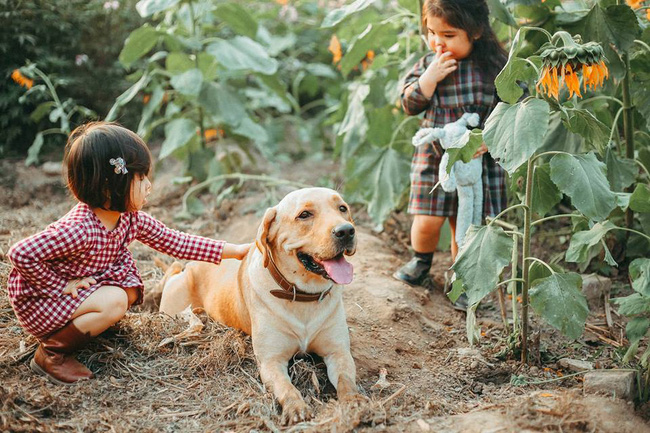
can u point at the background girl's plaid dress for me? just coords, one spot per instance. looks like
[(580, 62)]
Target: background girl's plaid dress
[(465, 90), (77, 246)]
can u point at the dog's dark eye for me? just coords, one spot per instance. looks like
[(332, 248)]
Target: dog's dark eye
[(343, 208), (304, 215)]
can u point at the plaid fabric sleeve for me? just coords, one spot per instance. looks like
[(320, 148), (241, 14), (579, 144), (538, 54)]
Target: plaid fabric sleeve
[(30, 257), (413, 100), (155, 234)]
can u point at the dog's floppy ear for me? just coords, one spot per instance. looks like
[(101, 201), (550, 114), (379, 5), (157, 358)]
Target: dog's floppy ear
[(263, 233)]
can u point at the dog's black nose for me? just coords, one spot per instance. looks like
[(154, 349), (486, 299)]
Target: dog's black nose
[(344, 232)]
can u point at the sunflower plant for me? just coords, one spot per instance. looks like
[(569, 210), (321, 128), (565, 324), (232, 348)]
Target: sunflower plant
[(564, 131), (558, 141), (60, 112)]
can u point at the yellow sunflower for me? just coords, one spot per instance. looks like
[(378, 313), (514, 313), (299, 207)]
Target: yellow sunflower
[(335, 48), (21, 79), (564, 60)]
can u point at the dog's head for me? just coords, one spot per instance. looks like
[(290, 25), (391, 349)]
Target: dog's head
[(308, 234)]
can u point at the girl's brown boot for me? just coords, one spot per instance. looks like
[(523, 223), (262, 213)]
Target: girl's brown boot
[(54, 359)]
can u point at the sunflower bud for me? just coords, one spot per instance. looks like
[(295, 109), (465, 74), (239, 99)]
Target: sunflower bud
[(564, 58)]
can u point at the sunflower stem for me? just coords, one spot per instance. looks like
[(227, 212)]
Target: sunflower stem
[(628, 128), (524, 265)]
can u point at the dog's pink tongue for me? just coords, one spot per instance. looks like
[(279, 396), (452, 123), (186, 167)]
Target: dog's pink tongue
[(339, 270)]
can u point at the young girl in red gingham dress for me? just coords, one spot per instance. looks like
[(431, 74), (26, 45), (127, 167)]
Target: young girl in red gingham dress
[(76, 278), (457, 77)]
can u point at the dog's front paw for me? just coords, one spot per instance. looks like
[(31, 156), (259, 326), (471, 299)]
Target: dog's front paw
[(295, 411), (354, 399)]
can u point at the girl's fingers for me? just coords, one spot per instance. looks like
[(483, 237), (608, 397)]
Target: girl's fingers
[(92, 281), (74, 293)]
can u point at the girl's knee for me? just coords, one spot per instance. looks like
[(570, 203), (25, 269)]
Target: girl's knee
[(116, 304), (428, 224)]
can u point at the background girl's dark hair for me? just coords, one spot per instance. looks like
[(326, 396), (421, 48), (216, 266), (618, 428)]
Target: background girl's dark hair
[(473, 17), (91, 177)]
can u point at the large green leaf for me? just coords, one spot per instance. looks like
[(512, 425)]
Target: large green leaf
[(242, 53), (337, 15), (538, 270), (559, 300), (640, 200), (640, 275), (127, 96), (621, 172), (379, 175), (584, 123), (178, 133), (636, 328), (34, 150), (559, 138), (188, 83), (237, 18), (582, 242), (369, 39), (412, 5), (485, 252), (355, 116), (150, 7), (465, 153), (220, 101), (499, 11), (517, 69), (208, 66), (178, 62), (634, 304), (42, 109), (139, 43), (255, 132), (545, 192), (514, 132), (623, 200), (617, 24), (583, 178), (640, 85), (149, 109)]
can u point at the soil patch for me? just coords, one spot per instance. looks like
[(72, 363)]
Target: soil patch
[(151, 379)]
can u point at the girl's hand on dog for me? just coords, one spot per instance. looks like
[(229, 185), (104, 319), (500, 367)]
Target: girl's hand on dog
[(80, 283), (235, 251)]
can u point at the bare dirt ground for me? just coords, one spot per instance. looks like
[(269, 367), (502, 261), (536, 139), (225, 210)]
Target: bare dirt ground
[(147, 381)]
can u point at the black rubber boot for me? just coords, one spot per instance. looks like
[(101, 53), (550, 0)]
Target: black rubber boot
[(416, 271), (461, 303)]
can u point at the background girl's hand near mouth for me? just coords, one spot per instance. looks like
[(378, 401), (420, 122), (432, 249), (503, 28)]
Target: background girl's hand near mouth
[(441, 66)]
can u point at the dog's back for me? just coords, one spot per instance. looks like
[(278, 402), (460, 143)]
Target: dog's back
[(215, 288)]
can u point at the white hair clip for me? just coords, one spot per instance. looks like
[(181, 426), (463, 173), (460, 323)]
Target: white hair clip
[(120, 165)]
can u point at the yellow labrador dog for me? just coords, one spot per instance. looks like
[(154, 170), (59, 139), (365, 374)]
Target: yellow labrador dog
[(286, 293)]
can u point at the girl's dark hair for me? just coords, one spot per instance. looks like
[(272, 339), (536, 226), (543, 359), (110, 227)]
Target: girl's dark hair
[(90, 175), (473, 17)]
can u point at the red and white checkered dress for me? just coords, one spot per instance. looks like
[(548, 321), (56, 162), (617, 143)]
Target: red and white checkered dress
[(77, 246)]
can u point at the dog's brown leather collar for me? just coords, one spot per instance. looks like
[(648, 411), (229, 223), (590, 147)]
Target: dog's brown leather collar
[(290, 291)]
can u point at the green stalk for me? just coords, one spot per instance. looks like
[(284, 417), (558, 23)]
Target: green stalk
[(512, 287), (196, 64), (525, 265), (65, 124), (628, 128)]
